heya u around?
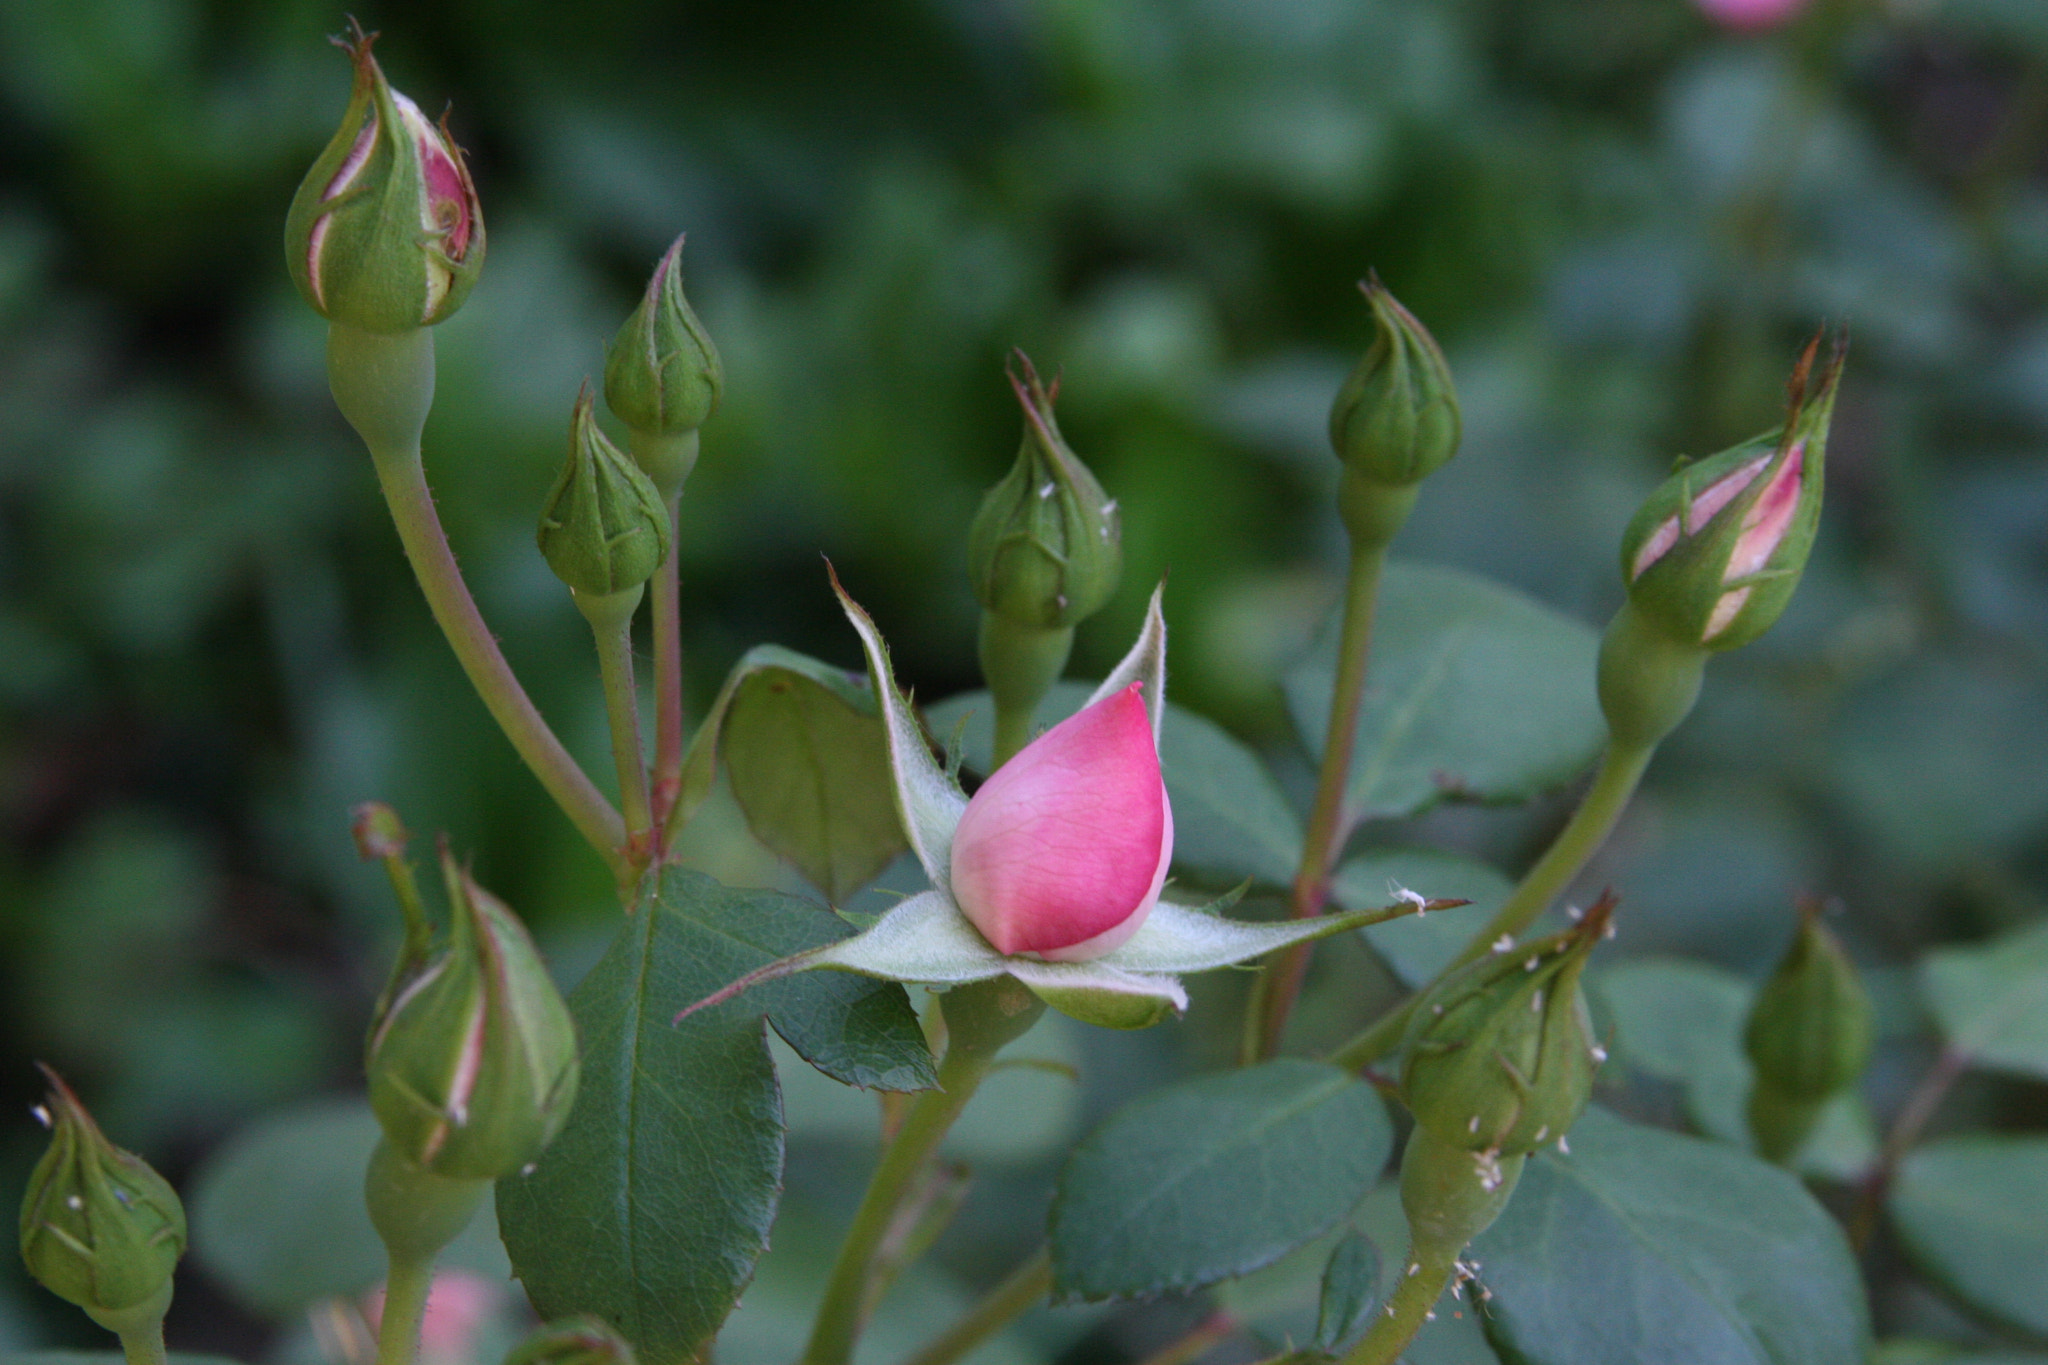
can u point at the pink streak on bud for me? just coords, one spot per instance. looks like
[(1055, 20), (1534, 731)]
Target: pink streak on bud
[(1751, 16), (1763, 529), (447, 208), (459, 1306), (1062, 852), (1699, 512)]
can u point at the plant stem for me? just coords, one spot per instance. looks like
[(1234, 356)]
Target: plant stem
[(668, 675), (1621, 769), (980, 1019), (383, 385), (1395, 1325), (611, 623), (145, 1345), (1023, 1287), (1905, 1134), (405, 1308), (1329, 824)]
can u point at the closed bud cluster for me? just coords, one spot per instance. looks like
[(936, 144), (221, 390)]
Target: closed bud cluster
[(99, 1228), (605, 529), (1712, 557), (662, 374), (1046, 548), (385, 233), (1396, 419), (573, 1341), (1809, 1036), (473, 1066), (1501, 1054)]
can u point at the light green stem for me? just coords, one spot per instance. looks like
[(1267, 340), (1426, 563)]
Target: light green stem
[(980, 1019), (1329, 824), (384, 386), (145, 1345), (1621, 769), (1025, 1286), (1020, 664), (1396, 1324), (405, 1308), (611, 624)]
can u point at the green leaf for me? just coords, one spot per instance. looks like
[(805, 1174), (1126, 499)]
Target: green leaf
[(1971, 1213), (278, 1219), (1682, 1021), (1213, 1178), (1419, 948), (652, 1206), (1475, 691), (810, 767), (1991, 1000), (1644, 1245), (104, 1358), (1351, 1283), (1229, 816)]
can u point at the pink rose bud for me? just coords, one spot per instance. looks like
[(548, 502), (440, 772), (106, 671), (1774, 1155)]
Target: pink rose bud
[(1751, 16), (385, 233), (1062, 852)]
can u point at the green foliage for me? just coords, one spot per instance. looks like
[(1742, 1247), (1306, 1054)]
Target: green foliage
[(1642, 1245), (1213, 1178), (651, 1207), (1350, 1290), (1476, 693), (1992, 1000), (1969, 1211)]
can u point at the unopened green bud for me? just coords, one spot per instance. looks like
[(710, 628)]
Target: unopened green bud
[(662, 374), (1046, 548), (1501, 1053), (605, 530), (573, 1341), (473, 1066), (1396, 419), (99, 1228), (1712, 557), (385, 233), (1809, 1036)]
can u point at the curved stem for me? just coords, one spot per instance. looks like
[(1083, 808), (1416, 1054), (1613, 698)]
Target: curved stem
[(980, 1019), (1329, 824), (1905, 1134), (405, 1308), (1023, 1287), (1621, 770), (1395, 1325), (1197, 1340), (611, 623)]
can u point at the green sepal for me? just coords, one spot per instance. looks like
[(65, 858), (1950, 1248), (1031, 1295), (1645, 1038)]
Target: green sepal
[(605, 528)]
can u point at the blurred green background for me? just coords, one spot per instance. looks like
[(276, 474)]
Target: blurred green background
[(1620, 221)]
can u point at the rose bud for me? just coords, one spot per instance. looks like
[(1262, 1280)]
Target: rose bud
[(1396, 419), (1062, 852), (1501, 1055), (473, 1066), (1712, 557), (1809, 1036), (573, 1341), (385, 233), (662, 374), (605, 529), (99, 1228)]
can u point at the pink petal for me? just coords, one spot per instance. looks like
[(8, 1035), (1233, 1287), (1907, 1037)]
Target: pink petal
[(1768, 519), (1063, 851)]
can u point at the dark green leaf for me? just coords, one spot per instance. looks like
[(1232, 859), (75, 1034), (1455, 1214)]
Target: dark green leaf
[(1213, 1178), (278, 1218), (1644, 1245), (1973, 1212), (1991, 1000), (1351, 1284), (809, 766), (1474, 691), (1229, 817), (651, 1207), (1420, 947)]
